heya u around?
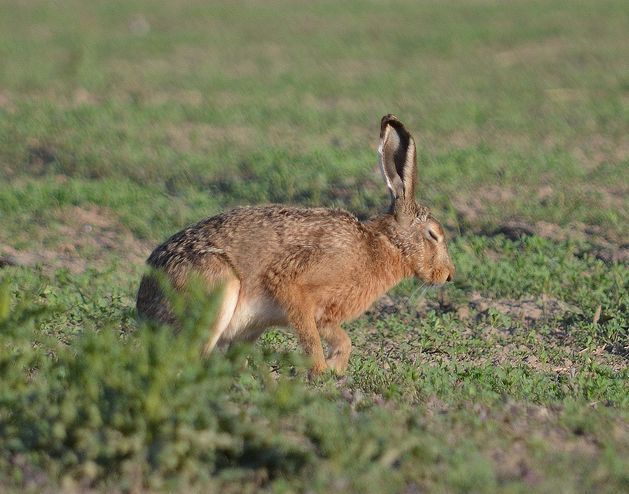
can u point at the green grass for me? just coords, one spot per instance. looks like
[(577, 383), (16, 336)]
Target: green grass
[(122, 122)]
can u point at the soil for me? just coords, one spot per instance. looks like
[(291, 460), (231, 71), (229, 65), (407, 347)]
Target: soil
[(528, 311), (480, 312), (602, 244), (80, 238), (609, 246)]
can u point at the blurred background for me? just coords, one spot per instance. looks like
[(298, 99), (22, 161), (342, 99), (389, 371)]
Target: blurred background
[(162, 112)]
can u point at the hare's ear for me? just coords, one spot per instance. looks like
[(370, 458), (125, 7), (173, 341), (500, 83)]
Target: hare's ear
[(397, 159)]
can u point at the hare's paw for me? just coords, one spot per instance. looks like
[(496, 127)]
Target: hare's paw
[(338, 362), (317, 370)]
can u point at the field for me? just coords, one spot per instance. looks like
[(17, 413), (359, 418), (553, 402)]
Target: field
[(123, 122)]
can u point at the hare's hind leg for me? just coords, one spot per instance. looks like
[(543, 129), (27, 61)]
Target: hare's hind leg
[(231, 292), (340, 347)]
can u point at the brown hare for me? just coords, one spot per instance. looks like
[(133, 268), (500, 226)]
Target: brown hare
[(308, 268)]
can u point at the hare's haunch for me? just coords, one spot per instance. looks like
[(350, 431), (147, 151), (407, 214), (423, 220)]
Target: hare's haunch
[(310, 269)]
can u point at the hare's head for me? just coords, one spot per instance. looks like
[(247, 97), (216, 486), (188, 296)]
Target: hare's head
[(414, 230)]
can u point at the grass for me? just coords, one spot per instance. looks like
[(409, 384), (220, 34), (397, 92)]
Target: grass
[(122, 122)]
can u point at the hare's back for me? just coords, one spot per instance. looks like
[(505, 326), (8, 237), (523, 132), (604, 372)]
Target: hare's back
[(252, 237)]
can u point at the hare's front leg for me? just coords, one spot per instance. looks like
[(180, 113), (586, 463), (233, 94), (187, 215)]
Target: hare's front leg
[(340, 348), (300, 313), (310, 340)]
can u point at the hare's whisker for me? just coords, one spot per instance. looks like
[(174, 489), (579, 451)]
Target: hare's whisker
[(413, 297)]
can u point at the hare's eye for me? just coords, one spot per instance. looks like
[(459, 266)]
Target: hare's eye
[(433, 235)]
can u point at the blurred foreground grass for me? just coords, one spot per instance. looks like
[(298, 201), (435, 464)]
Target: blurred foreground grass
[(121, 122)]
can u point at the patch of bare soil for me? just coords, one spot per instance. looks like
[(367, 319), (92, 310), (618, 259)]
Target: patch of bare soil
[(605, 245), (81, 238), (187, 136), (6, 102), (596, 150), (549, 49), (481, 312), (472, 209), (528, 311)]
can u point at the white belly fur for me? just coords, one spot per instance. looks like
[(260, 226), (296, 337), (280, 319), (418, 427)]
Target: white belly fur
[(251, 317)]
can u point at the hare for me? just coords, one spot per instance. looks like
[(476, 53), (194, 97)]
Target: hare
[(308, 268)]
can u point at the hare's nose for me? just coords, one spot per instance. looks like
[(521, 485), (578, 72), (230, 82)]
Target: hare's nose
[(450, 274)]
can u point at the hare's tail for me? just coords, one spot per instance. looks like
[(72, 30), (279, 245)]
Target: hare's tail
[(152, 303)]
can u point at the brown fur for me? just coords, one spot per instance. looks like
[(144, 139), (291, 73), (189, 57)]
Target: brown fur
[(311, 269)]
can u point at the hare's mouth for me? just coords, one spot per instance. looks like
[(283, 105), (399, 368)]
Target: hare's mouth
[(426, 278), (443, 277), (435, 278)]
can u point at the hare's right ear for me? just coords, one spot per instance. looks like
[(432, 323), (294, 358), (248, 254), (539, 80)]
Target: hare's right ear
[(397, 160)]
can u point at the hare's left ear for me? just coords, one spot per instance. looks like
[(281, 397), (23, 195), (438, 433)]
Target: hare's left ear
[(397, 159)]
